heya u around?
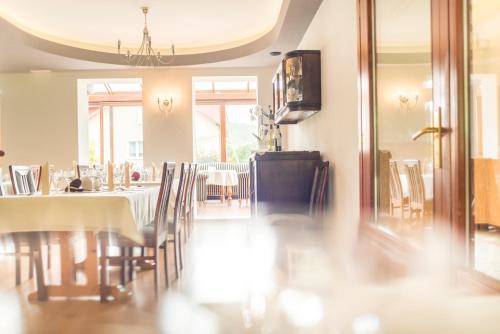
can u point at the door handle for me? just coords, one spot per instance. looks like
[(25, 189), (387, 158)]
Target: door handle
[(424, 131), (437, 131)]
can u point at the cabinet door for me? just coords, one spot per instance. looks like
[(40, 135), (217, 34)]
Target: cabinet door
[(293, 79)]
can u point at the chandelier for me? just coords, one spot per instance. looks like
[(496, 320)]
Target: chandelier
[(146, 55)]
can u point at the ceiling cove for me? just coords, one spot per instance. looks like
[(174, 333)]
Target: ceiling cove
[(286, 22)]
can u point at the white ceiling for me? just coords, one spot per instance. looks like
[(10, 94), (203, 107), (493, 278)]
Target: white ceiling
[(403, 25), (187, 24), (195, 21)]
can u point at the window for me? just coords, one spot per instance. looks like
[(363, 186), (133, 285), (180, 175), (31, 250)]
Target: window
[(115, 122), (224, 130), (135, 149)]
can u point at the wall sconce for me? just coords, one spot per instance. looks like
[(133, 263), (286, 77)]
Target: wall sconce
[(165, 105), (408, 102)]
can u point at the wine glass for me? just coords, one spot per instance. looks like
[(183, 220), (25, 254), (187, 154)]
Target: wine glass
[(119, 177)]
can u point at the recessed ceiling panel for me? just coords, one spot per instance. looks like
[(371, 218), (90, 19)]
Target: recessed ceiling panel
[(186, 23)]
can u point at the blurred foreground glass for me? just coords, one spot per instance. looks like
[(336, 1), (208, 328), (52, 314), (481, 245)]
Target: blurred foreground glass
[(484, 115), (403, 73)]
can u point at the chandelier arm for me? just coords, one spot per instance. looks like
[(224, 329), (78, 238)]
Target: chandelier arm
[(146, 54), (139, 55), (170, 61)]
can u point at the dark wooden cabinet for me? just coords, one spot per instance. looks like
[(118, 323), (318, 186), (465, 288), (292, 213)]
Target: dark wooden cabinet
[(281, 182), (297, 86)]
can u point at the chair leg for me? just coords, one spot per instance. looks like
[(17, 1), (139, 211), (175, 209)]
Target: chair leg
[(165, 265), (131, 264), (17, 252), (176, 260), (49, 261), (184, 228), (180, 251), (156, 271), (122, 266), (31, 264)]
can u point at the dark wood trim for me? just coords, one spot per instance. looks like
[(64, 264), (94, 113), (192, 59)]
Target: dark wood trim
[(451, 204), (459, 139), (365, 109)]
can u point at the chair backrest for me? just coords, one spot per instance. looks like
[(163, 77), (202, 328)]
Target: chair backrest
[(23, 181), (415, 183), (183, 178), (81, 170), (161, 212), (319, 187), (192, 179), (395, 183), (37, 173), (184, 197)]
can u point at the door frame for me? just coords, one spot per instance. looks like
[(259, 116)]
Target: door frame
[(448, 71)]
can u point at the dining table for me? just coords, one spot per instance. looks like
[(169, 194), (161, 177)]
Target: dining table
[(225, 178), (123, 211)]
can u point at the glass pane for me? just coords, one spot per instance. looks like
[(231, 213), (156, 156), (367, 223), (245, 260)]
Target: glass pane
[(240, 130), (404, 180), (94, 127), (207, 131), (230, 85), (485, 137), (106, 140), (127, 129)]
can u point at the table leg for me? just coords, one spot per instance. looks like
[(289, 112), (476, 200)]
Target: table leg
[(229, 195), (222, 194), (67, 259), (68, 287), (36, 249)]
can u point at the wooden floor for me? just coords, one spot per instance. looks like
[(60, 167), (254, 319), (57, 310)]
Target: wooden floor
[(243, 277), (215, 209), (83, 315)]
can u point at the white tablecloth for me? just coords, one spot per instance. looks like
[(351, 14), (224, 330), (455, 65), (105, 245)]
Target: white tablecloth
[(221, 177), (428, 185), (123, 212)]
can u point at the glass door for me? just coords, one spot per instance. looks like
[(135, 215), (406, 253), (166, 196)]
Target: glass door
[(404, 117), (484, 138)]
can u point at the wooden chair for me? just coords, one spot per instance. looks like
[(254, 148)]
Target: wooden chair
[(3, 192), (23, 179), (177, 217), (81, 170), (417, 202), (18, 239), (156, 236), (317, 202), (319, 189), (24, 183), (398, 200), (189, 202)]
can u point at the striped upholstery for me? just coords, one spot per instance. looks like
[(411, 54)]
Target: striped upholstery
[(213, 191)]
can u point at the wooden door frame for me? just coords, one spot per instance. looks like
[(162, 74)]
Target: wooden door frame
[(450, 182)]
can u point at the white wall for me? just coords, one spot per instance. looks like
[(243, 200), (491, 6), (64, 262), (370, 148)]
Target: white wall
[(39, 112), (334, 130)]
